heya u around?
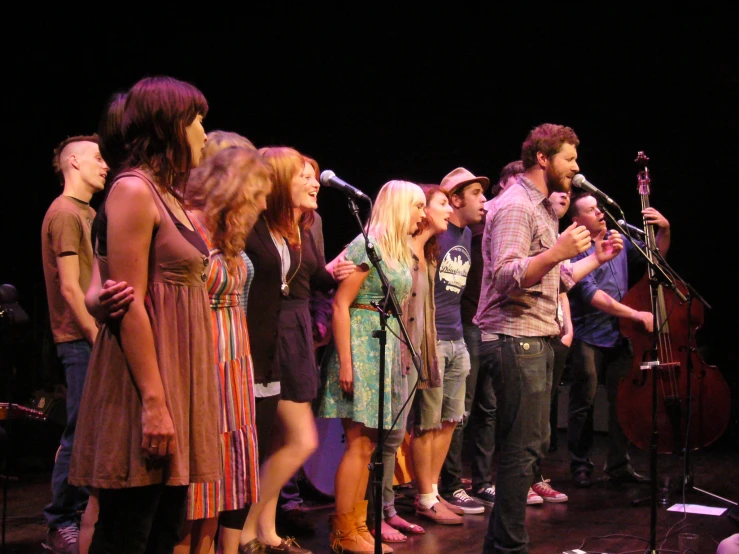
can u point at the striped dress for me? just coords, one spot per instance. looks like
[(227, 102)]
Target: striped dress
[(235, 374)]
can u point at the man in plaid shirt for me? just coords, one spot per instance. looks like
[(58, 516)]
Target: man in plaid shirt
[(525, 263)]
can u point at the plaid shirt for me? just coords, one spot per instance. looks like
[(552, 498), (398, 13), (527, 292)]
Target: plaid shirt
[(521, 225)]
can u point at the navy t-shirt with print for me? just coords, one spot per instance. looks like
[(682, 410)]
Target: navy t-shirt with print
[(451, 278)]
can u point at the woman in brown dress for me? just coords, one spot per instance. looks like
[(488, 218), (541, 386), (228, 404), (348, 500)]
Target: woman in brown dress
[(148, 423)]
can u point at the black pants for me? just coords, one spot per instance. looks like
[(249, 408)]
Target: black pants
[(140, 520), (561, 353), (589, 365)]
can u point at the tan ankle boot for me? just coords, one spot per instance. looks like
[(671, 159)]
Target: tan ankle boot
[(344, 538), (360, 518)]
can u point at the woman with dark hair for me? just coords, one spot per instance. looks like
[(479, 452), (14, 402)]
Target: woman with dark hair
[(148, 423)]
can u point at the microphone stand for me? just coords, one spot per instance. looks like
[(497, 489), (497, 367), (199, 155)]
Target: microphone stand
[(385, 308), (657, 275), (687, 480)]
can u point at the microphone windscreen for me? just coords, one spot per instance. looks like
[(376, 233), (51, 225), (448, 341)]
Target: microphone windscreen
[(326, 176), (578, 180)]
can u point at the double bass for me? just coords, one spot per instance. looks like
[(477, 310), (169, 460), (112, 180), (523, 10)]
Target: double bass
[(693, 399)]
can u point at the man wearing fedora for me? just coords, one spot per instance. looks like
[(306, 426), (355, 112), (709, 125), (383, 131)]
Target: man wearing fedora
[(479, 403), (466, 195)]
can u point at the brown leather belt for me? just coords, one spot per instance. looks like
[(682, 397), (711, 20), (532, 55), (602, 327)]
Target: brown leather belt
[(364, 307)]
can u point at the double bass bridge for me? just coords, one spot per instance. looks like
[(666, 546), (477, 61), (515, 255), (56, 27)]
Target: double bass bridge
[(656, 365)]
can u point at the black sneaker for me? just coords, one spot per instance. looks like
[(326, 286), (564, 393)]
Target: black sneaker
[(465, 502), (62, 540), (581, 479), (484, 495), (294, 523)]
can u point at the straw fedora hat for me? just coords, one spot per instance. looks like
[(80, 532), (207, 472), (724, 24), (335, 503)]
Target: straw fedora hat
[(460, 177)]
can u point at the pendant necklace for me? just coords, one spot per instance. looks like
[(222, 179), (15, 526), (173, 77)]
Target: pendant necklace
[(284, 250)]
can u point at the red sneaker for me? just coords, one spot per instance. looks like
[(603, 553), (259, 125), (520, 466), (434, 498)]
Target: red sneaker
[(547, 493)]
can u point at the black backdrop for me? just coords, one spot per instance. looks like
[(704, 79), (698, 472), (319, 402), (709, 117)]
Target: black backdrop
[(373, 94)]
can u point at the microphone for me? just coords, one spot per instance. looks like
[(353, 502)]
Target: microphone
[(329, 179), (581, 182), (630, 227)]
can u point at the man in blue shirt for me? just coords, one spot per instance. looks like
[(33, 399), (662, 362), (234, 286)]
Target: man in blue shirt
[(599, 351)]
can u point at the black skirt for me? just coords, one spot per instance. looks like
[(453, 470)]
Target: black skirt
[(296, 354)]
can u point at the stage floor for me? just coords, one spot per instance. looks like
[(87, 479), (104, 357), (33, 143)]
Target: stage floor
[(600, 519)]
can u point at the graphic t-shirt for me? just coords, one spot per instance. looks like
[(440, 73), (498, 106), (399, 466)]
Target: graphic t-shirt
[(451, 278)]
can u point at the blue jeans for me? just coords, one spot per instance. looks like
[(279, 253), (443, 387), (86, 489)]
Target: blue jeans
[(68, 501), (393, 440), (290, 498), (479, 414), (521, 372), (454, 359)]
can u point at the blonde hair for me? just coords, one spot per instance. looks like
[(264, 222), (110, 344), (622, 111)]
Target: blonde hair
[(219, 140), (390, 220), (225, 187)]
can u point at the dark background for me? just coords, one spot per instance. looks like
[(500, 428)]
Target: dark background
[(376, 93)]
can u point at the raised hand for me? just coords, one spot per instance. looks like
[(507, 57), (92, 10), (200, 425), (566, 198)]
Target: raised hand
[(572, 241), (608, 248)]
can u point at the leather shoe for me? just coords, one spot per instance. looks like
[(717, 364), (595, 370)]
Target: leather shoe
[(627, 476), (287, 544), (581, 479), (252, 547)]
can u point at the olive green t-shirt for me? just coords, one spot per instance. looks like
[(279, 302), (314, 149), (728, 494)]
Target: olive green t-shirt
[(65, 232)]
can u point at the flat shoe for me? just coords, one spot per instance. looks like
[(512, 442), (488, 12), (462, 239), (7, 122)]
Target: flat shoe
[(288, 544), (439, 514), (252, 547)]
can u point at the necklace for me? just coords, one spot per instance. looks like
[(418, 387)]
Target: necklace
[(284, 251)]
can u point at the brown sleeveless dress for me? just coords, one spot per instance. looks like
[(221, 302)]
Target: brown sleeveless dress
[(107, 447)]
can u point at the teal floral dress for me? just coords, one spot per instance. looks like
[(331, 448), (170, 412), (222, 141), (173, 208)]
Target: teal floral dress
[(362, 407)]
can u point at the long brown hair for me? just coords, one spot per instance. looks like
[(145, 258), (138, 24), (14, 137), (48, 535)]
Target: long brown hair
[(431, 249), (285, 162), (156, 114)]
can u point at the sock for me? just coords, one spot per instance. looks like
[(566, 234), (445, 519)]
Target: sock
[(427, 500), (435, 489)]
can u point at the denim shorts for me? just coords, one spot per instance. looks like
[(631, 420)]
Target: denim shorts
[(445, 403)]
